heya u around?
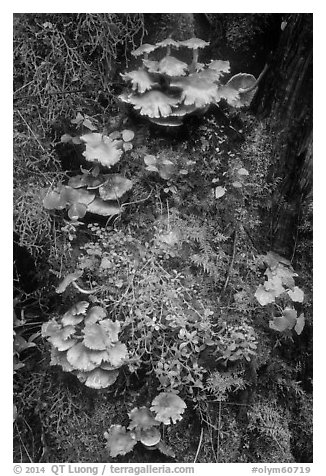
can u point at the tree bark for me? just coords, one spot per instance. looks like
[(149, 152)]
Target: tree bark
[(284, 101)]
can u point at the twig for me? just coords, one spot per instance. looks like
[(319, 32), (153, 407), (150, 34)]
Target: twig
[(232, 262), (219, 428), (199, 444), (85, 291)]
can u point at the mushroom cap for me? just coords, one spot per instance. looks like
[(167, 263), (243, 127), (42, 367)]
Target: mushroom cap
[(196, 91), (220, 65), (168, 42), (183, 110), (101, 207), (152, 66), (231, 91), (150, 437), (172, 66), (194, 43), (114, 187), (145, 48), (140, 80), (101, 148), (167, 121), (142, 418), (154, 104)]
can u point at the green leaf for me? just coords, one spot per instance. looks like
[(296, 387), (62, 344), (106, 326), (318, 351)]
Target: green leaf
[(279, 324), (264, 297), (300, 324), (297, 295), (219, 192)]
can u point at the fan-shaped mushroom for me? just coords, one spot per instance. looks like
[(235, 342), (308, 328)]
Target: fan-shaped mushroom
[(140, 80), (168, 43), (194, 44), (172, 66), (196, 91), (144, 49), (154, 104)]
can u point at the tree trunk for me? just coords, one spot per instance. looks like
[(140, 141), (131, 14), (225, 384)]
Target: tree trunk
[(284, 101)]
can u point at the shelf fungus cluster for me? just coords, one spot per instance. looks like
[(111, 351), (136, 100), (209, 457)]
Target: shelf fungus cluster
[(168, 89), (94, 191), (86, 343)]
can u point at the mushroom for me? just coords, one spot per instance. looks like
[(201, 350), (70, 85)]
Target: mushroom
[(140, 80), (239, 90), (194, 44), (150, 437), (167, 121), (196, 91), (100, 207), (154, 104), (172, 66), (144, 49), (168, 42), (114, 187)]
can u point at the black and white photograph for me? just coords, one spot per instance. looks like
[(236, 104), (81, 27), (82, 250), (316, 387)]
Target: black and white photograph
[(162, 241)]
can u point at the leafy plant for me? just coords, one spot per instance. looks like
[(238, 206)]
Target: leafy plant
[(167, 90), (280, 285), (86, 343)]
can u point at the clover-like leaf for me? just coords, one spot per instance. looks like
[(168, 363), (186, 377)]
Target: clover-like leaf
[(114, 187), (168, 406), (119, 441), (280, 324), (297, 295), (71, 277), (79, 357), (299, 324), (264, 297), (154, 104), (99, 378), (219, 192), (274, 285), (53, 200), (142, 418), (101, 148), (291, 315), (117, 354)]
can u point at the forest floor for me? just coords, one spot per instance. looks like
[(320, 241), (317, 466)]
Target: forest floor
[(183, 263)]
